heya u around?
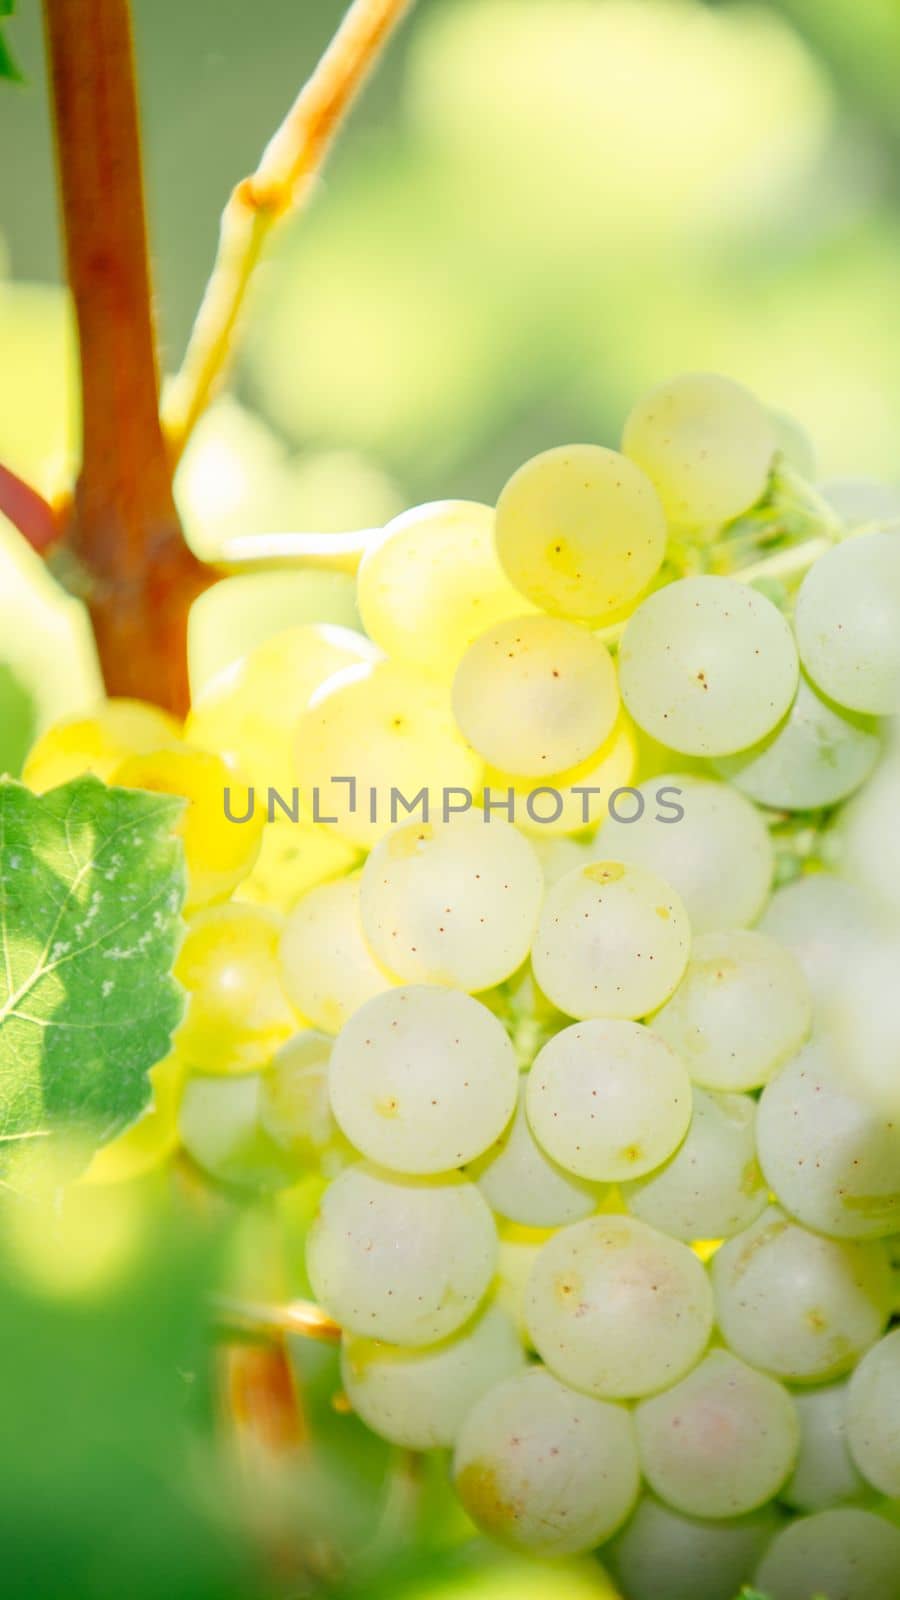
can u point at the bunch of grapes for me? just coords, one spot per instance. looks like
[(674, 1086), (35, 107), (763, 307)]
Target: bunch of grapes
[(553, 923)]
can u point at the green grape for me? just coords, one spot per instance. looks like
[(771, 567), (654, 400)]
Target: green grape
[(824, 1474), (233, 616), (327, 967), (98, 743), (220, 1127), (818, 756), (608, 1100), (423, 1079), (742, 1009), (432, 583), (544, 1469), (793, 443), (708, 666), (295, 857), (717, 853), (706, 443), (576, 799), (830, 1149), (219, 853), (799, 1306), (535, 695), (862, 502), (712, 1187), (521, 1182), (873, 1415), (663, 1555), (612, 941), (822, 920), (404, 1260), (848, 623), (517, 1251), (869, 838), (853, 1555), (617, 1309), (294, 1105), (721, 1442), (247, 713), (238, 1013), (419, 1398), (387, 730), (452, 903), (580, 531)]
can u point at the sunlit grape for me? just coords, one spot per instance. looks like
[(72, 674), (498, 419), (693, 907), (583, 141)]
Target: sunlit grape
[(848, 623), (327, 967), (580, 531), (98, 743), (535, 695), (238, 1013)]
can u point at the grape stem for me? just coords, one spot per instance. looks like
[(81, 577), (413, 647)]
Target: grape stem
[(266, 1319), (280, 185), (27, 510)]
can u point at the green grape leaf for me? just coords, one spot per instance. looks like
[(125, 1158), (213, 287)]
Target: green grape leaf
[(8, 68), (91, 888)]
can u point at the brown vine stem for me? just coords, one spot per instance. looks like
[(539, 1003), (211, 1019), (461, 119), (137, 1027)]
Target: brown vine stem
[(261, 1319), (134, 569), (27, 510), (281, 183)]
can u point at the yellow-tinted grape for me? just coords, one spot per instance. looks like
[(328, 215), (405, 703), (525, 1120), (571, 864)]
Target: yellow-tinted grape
[(238, 1013), (98, 743)]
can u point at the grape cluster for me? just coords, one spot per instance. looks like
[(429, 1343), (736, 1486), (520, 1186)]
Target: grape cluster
[(605, 1103)]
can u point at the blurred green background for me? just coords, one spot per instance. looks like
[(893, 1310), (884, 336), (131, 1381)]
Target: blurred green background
[(541, 207)]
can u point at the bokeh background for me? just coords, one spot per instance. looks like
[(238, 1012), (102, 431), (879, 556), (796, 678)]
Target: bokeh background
[(541, 207)]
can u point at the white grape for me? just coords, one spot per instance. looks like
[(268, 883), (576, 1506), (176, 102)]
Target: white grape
[(662, 1553), (608, 1099), (742, 1009), (613, 941), (423, 1079), (706, 840), (432, 583), (405, 1260), (869, 836), (829, 1150), (707, 443), (222, 1131), (535, 695), (712, 1187), (818, 756), (544, 1469), (873, 1415), (797, 1305), (708, 666), (517, 1252), (848, 623), (567, 802), (617, 1309), (247, 713), (294, 1107), (821, 919), (845, 1553), (327, 967), (419, 1398), (824, 1474), (862, 501), (721, 1442), (580, 531), (521, 1181), (452, 903), (374, 737)]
